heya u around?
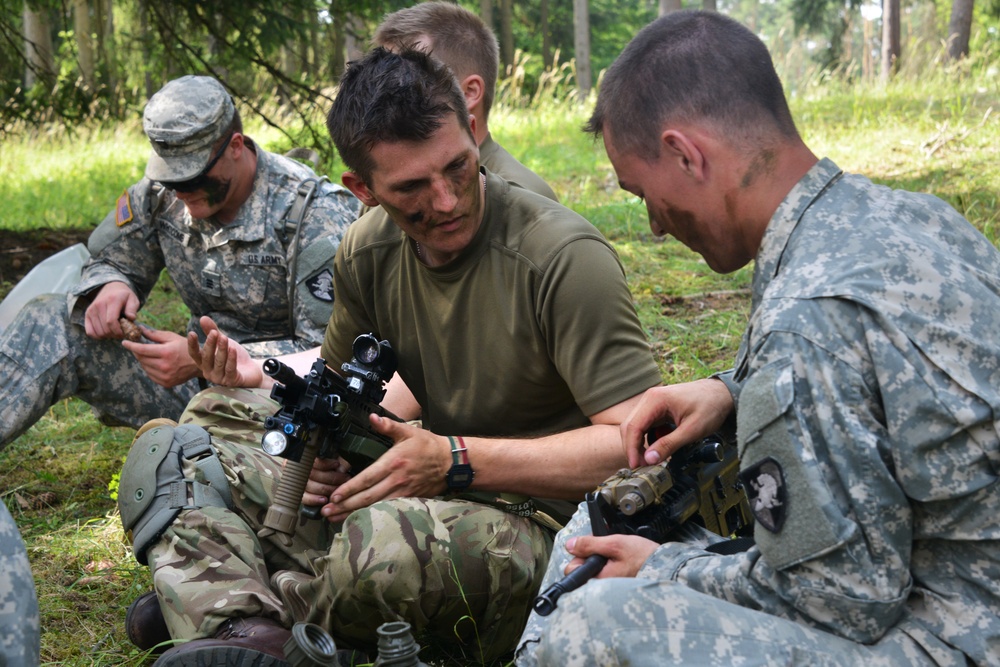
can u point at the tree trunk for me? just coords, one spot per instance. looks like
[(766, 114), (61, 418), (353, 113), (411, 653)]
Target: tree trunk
[(667, 6), (867, 37), (507, 34), (313, 49), (37, 47), (960, 28), (144, 41), (486, 12), (217, 44), (298, 48), (84, 43), (104, 18), (890, 38), (546, 35), (709, 5), (354, 42), (581, 44), (337, 43)]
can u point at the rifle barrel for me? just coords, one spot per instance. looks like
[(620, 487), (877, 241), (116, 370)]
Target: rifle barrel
[(545, 603)]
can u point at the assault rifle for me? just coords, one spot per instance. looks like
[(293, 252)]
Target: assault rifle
[(324, 414), (699, 484)]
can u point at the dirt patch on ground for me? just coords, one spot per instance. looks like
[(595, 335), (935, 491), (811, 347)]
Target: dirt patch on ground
[(704, 302), (20, 251)]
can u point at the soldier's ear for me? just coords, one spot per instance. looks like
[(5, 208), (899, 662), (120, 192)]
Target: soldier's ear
[(356, 185), (474, 89), (682, 148)]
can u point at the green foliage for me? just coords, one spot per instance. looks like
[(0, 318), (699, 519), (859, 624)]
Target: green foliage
[(290, 55), (987, 36), (612, 24)]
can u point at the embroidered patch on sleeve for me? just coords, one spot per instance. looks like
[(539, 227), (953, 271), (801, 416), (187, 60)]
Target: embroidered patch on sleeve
[(767, 493), (123, 210), (321, 286)]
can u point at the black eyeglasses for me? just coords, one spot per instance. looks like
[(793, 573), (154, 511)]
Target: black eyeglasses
[(200, 181)]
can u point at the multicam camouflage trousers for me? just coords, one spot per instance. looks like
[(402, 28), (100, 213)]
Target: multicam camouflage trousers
[(462, 573), (20, 630), (45, 358), (645, 622)]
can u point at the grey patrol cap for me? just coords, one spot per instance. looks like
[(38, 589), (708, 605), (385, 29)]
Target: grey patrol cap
[(182, 120)]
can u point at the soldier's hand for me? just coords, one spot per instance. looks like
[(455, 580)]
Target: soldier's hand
[(223, 361), (324, 478), (626, 554), (414, 467), (112, 301), (165, 358), (697, 409)]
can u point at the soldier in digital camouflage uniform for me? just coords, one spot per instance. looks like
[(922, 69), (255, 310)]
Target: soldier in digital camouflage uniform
[(866, 393), (20, 631), (225, 218), (485, 291)]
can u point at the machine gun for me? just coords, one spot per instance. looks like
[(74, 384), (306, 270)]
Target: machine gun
[(324, 414), (700, 484)]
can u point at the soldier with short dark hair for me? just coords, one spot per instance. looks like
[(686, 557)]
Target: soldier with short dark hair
[(866, 393), (247, 237)]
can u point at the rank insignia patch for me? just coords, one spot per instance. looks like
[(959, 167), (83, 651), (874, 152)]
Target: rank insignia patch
[(765, 486), (321, 286), (123, 210)]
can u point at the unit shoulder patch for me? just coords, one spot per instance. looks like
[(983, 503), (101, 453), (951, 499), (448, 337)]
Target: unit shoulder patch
[(768, 495), (321, 286)]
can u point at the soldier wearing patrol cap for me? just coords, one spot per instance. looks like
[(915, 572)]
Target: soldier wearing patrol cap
[(20, 630), (248, 238)]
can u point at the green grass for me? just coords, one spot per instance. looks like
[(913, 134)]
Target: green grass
[(939, 133), (52, 179)]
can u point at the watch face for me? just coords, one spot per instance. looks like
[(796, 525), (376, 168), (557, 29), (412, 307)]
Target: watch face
[(460, 477)]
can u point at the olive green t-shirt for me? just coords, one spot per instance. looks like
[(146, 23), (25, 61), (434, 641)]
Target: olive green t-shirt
[(528, 332)]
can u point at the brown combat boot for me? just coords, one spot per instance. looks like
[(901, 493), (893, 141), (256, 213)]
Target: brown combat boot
[(240, 642), (144, 623)]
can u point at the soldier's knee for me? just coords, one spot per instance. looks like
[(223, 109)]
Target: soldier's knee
[(153, 488), (45, 308), (42, 324), (396, 549)]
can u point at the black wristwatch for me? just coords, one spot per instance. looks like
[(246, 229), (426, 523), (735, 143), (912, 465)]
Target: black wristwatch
[(461, 473)]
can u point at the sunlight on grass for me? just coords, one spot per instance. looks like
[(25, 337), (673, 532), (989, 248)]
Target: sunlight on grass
[(54, 180)]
